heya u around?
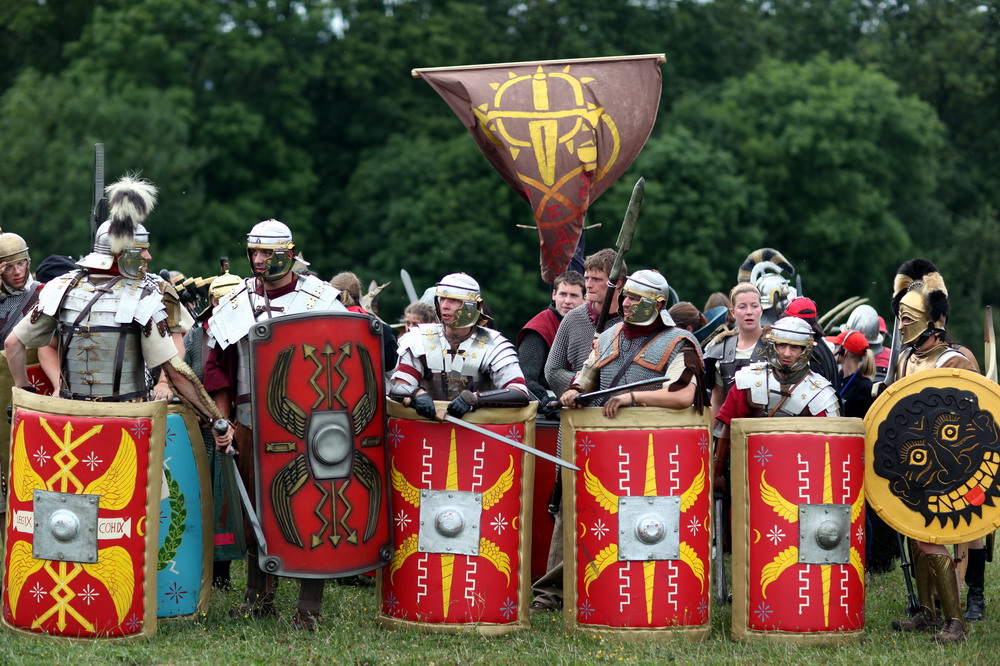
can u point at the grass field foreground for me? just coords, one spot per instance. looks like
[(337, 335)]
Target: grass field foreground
[(350, 634)]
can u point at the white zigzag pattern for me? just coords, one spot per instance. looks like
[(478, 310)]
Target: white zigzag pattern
[(624, 582), (624, 474), (477, 469), (846, 484), (673, 475), (470, 578), (803, 480), (845, 576), (673, 583), (425, 476), (422, 574), (803, 588)]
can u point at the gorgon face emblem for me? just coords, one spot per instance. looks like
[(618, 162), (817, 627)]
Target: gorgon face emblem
[(940, 453)]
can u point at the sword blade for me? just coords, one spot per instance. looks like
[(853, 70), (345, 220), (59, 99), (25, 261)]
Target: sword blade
[(592, 395), (517, 445), (411, 293), (247, 504)]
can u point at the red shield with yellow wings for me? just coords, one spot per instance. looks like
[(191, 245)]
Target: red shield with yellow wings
[(638, 551), (798, 529), (82, 527), (461, 507)]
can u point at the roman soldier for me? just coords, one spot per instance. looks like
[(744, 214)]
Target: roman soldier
[(273, 291), (108, 317), (645, 345), (18, 290), (457, 359)]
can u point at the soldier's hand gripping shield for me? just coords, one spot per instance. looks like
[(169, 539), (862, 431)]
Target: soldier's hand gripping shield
[(84, 513), (318, 387), (798, 530), (933, 448)]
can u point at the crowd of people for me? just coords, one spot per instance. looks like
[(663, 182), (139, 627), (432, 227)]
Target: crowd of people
[(106, 330)]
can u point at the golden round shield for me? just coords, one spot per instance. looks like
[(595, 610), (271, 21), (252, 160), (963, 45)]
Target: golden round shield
[(932, 444)]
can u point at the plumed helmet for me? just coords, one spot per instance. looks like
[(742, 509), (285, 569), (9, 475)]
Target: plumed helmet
[(790, 331), (122, 237), (12, 247), (648, 287), (276, 236), (921, 298), (864, 319), (464, 288)]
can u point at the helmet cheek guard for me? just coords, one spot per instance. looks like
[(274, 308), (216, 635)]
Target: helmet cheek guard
[(277, 237), (646, 288), (463, 288), (790, 331), (641, 312)]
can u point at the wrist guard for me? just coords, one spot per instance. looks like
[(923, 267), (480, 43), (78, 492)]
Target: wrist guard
[(507, 397)]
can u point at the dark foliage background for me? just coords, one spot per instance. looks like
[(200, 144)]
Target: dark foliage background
[(849, 134)]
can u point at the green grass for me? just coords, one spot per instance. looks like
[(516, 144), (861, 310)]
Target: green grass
[(349, 634)]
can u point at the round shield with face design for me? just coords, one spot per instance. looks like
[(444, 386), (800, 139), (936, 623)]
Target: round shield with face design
[(932, 443)]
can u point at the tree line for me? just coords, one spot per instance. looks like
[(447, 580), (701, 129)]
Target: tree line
[(849, 134)]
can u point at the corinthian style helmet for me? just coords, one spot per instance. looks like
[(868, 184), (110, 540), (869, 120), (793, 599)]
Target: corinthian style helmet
[(920, 301), (460, 287), (790, 331), (122, 238), (649, 287)]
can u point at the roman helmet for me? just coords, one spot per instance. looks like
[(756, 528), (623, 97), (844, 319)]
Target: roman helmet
[(648, 287), (12, 247), (864, 319), (276, 236), (790, 331), (122, 238), (460, 287), (920, 301)]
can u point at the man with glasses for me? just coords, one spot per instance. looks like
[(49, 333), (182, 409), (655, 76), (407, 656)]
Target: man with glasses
[(18, 290)]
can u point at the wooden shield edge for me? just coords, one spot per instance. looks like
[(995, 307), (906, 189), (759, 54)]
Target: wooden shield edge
[(739, 430), (497, 416), (592, 419), (156, 412)]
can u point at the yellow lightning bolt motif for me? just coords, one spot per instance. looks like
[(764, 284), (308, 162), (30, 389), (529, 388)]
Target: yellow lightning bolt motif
[(826, 571), (448, 561), (649, 568)]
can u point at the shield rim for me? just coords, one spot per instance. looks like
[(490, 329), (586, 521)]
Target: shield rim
[(634, 418), (263, 331), (156, 412), (739, 454), (883, 503), (488, 416)]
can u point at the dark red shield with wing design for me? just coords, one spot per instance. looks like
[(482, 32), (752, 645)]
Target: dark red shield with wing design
[(319, 444)]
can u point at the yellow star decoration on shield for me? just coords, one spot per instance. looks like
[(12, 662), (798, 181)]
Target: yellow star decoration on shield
[(790, 512), (609, 502), (487, 549), (115, 488)]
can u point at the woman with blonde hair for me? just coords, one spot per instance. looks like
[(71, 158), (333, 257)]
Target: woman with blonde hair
[(857, 367)]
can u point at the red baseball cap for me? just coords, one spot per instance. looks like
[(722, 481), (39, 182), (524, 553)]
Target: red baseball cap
[(853, 341), (801, 307)]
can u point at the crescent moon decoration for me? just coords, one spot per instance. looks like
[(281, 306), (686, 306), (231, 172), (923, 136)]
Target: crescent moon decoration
[(584, 532), (707, 526), (513, 522), (138, 526), (757, 538)]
